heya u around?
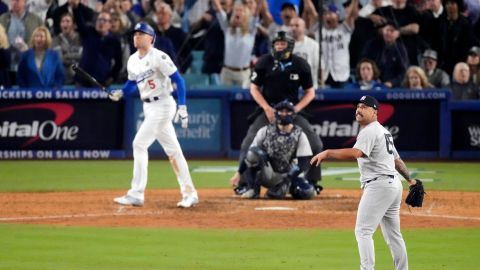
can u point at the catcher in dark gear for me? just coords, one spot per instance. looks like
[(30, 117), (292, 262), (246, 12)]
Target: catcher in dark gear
[(278, 155)]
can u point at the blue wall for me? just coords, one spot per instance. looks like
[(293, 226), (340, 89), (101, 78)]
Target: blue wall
[(76, 124)]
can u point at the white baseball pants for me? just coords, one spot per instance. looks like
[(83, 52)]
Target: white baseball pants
[(158, 125), (380, 204)]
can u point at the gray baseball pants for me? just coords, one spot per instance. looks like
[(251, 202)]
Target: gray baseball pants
[(380, 204)]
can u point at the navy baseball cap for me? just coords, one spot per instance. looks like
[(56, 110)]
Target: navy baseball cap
[(369, 101)]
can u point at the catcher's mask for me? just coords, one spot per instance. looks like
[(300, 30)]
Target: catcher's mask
[(284, 112), (286, 53)]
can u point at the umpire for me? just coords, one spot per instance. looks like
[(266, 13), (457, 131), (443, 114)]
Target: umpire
[(279, 76)]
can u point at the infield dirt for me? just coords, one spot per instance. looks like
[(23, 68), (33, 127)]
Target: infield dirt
[(219, 208)]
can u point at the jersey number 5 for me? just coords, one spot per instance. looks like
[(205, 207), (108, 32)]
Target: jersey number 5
[(151, 84), (389, 142)]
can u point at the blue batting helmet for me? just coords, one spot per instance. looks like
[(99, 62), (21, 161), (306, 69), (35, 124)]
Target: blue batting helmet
[(301, 189), (145, 28)]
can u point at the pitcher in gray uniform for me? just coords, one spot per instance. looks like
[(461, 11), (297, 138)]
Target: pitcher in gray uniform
[(378, 161)]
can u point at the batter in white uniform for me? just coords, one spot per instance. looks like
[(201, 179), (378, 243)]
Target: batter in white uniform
[(378, 162), (152, 72)]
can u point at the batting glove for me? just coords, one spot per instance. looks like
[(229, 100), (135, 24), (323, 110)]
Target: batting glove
[(182, 115), (116, 95)]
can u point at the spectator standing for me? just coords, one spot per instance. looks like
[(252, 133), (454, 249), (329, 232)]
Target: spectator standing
[(462, 88), (126, 6), (407, 20), (120, 30), (115, 7), (305, 47), (430, 21), (40, 66), (364, 31), (415, 79), (473, 61), (214, 42), (367, 76), (457, 35), (390, 55), (473, 8), (162, 23), (335, 40), (4, 60), (288, 11), (371, 6), (19, 25), (142, 8), (69, 45), (82, 10), (39, 7), (102, 53), (239, 40)]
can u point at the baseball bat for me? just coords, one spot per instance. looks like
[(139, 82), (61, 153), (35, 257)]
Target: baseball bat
[(82, 73)]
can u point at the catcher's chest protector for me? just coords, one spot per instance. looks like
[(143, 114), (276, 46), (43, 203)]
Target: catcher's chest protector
[(281, 148)]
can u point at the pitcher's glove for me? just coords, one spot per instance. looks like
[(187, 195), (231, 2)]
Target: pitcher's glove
[(415, 194)]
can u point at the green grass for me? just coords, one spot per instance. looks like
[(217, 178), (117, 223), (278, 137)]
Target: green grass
[(43, 247), (33, 247), (98, 175)]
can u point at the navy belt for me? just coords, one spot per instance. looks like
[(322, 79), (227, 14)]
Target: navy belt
[(151, 99), (371, 180)]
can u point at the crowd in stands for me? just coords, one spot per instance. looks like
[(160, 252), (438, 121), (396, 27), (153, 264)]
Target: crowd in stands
[(360, 44)]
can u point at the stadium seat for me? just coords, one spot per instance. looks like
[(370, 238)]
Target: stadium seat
[(195, 80), (196, 66)]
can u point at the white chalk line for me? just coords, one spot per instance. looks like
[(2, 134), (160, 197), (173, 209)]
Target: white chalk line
[(118, 213), (441, 216), (275, 208), (153, 213)]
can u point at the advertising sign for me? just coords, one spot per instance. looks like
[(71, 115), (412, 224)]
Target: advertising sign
[(466, 131), (50, 125), (204, 132), (413, 124)]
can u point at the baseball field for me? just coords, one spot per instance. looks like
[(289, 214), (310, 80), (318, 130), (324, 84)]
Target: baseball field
[(60, 215)]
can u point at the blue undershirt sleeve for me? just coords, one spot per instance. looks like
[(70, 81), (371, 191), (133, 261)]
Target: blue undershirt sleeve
[(130, 88), (181, 91)]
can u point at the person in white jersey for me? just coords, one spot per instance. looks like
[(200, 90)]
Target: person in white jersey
[(382, 189), (152, 72)]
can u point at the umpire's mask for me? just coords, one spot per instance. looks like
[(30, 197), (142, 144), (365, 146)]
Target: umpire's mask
[(285, 54), (284, 112)]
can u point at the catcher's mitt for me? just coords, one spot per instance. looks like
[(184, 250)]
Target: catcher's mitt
[(415, 194)]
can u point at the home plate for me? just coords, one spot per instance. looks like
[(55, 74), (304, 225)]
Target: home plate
[(275, 208)]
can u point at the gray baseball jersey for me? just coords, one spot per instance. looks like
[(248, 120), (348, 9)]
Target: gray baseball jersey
[(376, 143)]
